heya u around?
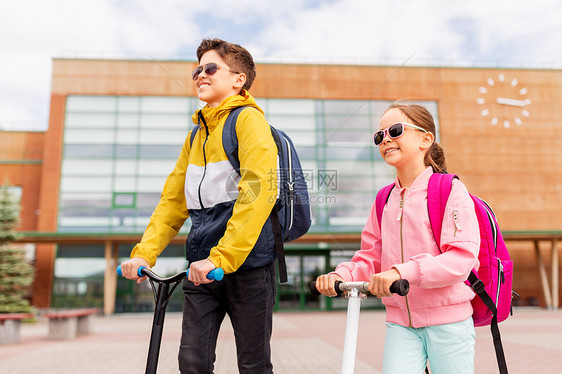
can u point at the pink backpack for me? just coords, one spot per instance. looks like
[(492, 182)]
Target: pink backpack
[(492, 282)]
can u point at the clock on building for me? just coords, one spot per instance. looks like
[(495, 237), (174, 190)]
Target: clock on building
[(503, 101)]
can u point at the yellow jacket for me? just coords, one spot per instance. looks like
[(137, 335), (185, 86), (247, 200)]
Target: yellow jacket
[(229, 212)]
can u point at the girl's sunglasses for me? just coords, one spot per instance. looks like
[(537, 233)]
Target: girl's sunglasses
[(394, 131), (209, 69)]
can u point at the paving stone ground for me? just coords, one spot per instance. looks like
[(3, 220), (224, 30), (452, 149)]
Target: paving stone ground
[(303, 342)]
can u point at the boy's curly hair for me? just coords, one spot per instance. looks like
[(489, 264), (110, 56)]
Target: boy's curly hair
[(235, 56)]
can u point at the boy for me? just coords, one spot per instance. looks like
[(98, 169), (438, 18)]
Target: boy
[(231, 228)]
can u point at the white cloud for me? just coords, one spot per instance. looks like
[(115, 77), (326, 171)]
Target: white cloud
[(434, 32), (41, 30)]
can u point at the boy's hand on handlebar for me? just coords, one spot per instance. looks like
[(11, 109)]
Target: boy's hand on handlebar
[(380, 283), (198, 271), (325, 284), (131, 267)]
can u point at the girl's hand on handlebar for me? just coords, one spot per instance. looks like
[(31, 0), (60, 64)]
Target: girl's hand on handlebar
[(131, 267), (198, 271), (325, 284), (380, 283)]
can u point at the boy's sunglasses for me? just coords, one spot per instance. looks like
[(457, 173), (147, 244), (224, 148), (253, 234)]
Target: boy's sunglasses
[(210, 69), (394, 131)]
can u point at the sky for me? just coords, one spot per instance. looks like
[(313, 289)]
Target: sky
[(476, 33)]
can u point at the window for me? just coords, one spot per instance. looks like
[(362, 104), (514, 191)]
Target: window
[(119, 150), (124, 199)]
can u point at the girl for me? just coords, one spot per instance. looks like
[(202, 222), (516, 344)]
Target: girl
[(434, 322)]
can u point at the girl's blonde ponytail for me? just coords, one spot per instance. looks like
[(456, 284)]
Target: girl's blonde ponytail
[(435, 158)]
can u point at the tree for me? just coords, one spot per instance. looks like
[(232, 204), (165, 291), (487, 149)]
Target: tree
[(16, 274)]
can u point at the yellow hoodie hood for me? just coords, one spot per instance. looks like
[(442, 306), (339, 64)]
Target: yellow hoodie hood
[(221, 112)]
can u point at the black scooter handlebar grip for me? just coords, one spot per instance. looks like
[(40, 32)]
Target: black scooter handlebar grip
[(400, 287), (314, 291), (337, 287)]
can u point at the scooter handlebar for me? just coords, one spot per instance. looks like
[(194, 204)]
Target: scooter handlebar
[(215, 274), (400, 287)]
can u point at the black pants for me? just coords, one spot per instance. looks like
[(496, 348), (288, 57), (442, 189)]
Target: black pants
[(248, 298)]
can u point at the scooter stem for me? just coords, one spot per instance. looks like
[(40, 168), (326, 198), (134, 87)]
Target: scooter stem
[(351, 329)]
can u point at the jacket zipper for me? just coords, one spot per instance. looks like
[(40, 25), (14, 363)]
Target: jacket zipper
[(456, 222), (204, 161), (196, 236), (402, 251), (501, 279)]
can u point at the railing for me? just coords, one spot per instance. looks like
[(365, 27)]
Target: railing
[(550, 291)]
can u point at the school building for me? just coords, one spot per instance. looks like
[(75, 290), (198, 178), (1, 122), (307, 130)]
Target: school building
[(88, 184)]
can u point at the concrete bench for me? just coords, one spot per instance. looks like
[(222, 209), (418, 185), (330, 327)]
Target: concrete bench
[(67, 324), (10, 324)]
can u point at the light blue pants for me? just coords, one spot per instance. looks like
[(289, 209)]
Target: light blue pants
[(448, 348)]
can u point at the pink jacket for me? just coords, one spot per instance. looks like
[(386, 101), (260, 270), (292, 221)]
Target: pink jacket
[(438, 294)]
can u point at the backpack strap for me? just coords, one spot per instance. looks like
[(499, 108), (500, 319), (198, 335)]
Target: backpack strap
[(230, 139), (193, 132), (381, 200), (438, 192), (279, 250), (230, 145), (478, 287)]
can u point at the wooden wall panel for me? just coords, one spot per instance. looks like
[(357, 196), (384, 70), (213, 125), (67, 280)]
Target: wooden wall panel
[(517, 169), (21, 156), (287, 81), (21, 146), (26, 176), (113, 77)]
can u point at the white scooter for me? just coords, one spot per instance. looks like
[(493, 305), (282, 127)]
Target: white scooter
[(355, 292)]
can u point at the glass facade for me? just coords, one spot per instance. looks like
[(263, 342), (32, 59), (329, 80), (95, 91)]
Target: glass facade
[(117, 154), (118, 151)]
